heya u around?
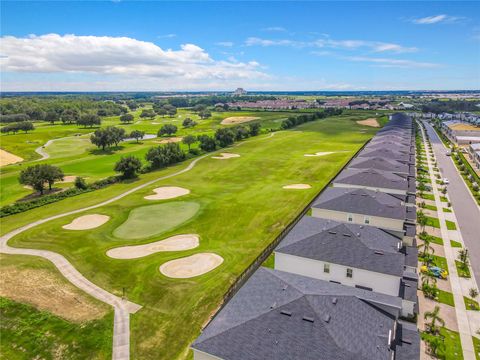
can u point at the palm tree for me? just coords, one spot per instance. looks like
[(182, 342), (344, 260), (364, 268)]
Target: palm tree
[(463, 257), (435, 318), (426, 246), (422, 219)]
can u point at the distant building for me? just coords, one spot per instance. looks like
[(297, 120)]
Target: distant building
[(239, 92), (461, 133)]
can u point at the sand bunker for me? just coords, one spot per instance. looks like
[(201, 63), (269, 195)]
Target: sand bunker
[(87, 222), (369, 122), (7, 158), (173, 243), (238, 120), (224, 156), (297, 186), (321, 153), (191, 266), (170, 140), (167, 192)]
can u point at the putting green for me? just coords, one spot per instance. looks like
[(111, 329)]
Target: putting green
[(147, 221)]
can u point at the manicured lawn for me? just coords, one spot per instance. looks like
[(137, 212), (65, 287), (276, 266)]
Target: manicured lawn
[(471, 304), (430, 207), (28, 333), (443, 199), (476, 346), (427, 196), (243, 207), (439, 261), (451, 225), (270, 262), (433, 239), (447, 210), (453, 346), (462, 271), (433, 222), (165, 216), (455, 244), (445, 297)]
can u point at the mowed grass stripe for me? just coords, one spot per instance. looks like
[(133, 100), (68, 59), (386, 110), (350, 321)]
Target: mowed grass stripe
[(244, 208)]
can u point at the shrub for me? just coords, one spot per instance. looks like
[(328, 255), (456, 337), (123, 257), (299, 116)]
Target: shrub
[(80, 183), (165, 155)]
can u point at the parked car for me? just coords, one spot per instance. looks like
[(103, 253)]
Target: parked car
[(445, 181), (448, 153)]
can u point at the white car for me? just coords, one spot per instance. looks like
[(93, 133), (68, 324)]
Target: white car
[(445, 181)]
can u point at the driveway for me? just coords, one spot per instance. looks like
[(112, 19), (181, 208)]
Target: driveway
[(465, 207)]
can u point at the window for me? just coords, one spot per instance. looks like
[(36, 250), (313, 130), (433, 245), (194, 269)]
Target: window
[(367, 220), (350, 217), (349, 273), (326, 268)]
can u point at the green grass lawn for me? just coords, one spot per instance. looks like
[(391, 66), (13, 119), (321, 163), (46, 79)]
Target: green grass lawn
[(427, 196), (461, 270), (433, 222), (439, 261), (476, 346), (443, 199), (28, 333), (445, 297), (429, 207), (455, 244), (270, 262), (471, 304), (447, 210), (243, 207), (453, 345), (433, 239), (451, 225), (165, 216)]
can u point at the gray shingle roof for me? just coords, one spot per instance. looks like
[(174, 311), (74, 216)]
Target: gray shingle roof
[(277, 315), (372, 178), (385, 153), (361, 201), (379, 163), (408, 343), (362, 247)]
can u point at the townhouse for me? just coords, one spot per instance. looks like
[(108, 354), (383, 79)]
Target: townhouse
[(343, 277)]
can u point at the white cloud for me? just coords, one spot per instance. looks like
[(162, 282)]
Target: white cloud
[(375, 46), (118, 56), (436, 19), (225, 43), (388, 62), (275, 29), (167, 36)]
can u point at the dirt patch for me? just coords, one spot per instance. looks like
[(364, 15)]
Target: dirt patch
[(7, 158), (297, 186), (66, 179), (238, 120), (167, 192), (224, 156), (170, 140), (87, 222), (44, 290), (173, 243), (191, 266), (369, 122)]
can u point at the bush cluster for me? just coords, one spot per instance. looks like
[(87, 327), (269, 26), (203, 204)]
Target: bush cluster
[(16, 127), (293, 121)]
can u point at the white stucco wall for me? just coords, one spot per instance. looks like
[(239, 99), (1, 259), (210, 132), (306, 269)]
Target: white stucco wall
[(381, 222), (382, 283), (383, 190)]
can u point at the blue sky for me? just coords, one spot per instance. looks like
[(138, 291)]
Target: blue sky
[(141, 45)]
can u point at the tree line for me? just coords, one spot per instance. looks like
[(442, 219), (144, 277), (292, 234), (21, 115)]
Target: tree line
[(293, 121)]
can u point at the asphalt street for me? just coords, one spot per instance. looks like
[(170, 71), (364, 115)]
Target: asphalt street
[(466, 209)]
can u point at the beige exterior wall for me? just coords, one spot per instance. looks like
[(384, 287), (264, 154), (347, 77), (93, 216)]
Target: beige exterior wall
[(199, 355), (382, 283), (383, 190), (384, 223)]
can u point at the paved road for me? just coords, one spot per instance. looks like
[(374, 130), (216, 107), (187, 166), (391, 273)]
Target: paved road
[(466, 209)]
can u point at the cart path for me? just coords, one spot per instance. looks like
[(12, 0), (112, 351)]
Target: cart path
[(123, 308)]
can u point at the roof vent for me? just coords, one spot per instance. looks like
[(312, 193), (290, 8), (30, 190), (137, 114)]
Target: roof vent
[(273, 306), (334, 301), (285, 287), (286, 312), (358, 234), (327, 318), (309, 319), (378, 252), (347, 235), (332, 232)]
